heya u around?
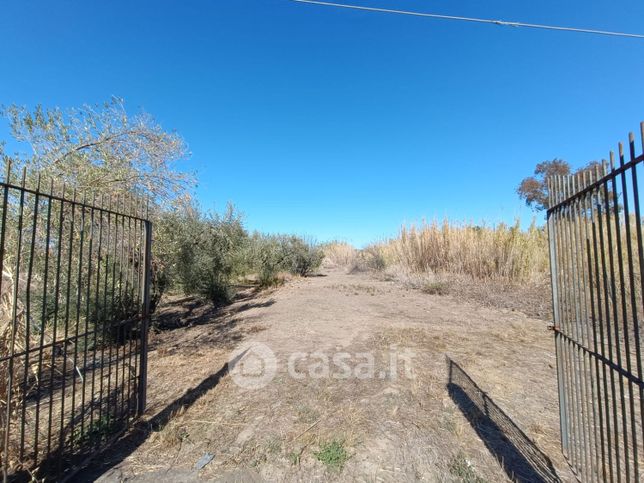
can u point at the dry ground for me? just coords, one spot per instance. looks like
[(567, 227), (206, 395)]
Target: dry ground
[(431, 423)]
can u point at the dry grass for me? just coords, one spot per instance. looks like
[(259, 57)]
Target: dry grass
[(499, 252), (339, 254)]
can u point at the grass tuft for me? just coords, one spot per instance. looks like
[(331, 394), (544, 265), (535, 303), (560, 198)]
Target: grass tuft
[(461, 468), (333, 454)]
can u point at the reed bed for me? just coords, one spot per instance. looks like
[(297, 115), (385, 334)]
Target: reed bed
[(501, 252)]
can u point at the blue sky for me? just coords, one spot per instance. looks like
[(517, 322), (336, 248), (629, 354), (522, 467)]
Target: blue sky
[(343, 124)]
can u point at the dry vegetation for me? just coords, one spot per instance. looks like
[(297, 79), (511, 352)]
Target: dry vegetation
[(504, 253), (501, 266)]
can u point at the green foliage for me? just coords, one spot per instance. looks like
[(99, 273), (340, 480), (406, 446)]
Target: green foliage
[(201, 252), (333, 454), (205, 254), (301, 256), (97, 431), (271, 254), (100, 147)]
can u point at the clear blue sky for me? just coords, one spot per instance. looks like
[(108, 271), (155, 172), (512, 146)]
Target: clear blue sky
[(336, 123)]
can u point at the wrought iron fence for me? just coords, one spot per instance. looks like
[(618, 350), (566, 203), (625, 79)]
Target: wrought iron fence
[(597, 263), (74, 310)]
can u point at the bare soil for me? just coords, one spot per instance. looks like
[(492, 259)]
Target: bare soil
[(474, 399)]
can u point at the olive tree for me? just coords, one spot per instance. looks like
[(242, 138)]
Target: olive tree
[(99, 147)]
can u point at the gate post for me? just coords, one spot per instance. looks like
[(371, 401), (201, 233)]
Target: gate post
[(145, 320)]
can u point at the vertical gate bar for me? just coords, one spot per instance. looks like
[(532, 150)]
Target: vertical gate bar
[(59, 247), (627, 348), (5, 203), (573, 328), (125, 313), (565, 326), (30, 268), (582, 322), (130, 294), (140, 274), (573, 350), (111, 325), (552, 236), (43, 321), (128, 329), (97, 315), (146, 317), (583, 325), (79, 285), (563, 384), (70, 252), (592, 255), (14, 322), (124, 309), (640, 254), (600, 270), (104, 315), (624, 313), (588, 323), (609, 291), (88, 285), (604, 335)]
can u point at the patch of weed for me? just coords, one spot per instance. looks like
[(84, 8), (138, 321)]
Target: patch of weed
[(333, 454), (294, 457), (97, 431), (461, 468)]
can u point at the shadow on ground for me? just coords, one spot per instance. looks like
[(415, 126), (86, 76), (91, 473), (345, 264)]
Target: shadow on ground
[(517, 454), (125, 446), (192, 311)]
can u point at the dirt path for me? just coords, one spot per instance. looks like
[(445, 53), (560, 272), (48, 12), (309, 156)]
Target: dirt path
[(353, 416)]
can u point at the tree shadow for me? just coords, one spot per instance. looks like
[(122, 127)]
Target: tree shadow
[(517, 454), (191, 311)]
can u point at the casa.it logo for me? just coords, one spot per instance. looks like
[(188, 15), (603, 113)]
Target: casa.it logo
[(252, 365)]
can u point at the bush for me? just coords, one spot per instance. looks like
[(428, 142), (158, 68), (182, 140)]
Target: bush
[(202, 253), (205, 254), (271, 254), (302, 257)]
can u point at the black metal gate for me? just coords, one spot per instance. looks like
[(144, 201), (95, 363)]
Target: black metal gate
[(597, 264), (74, 310)]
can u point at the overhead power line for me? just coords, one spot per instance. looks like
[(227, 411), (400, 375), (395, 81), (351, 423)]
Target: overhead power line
[(477, 20)]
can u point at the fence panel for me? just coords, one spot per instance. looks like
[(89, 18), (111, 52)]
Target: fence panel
[(597, 262), (74, 309)]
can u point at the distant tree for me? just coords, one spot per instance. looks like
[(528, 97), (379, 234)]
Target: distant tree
[(534, 189)]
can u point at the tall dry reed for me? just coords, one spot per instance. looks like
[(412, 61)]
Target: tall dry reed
[(500, 252)]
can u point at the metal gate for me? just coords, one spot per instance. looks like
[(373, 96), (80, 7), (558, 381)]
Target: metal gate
[(597, 263), (74, 309)]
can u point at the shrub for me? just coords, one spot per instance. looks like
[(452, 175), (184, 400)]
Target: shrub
[(202, 253), (302, 257), (271, 254)]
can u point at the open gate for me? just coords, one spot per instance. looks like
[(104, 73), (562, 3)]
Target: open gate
[(597, 263), (74, 310)]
